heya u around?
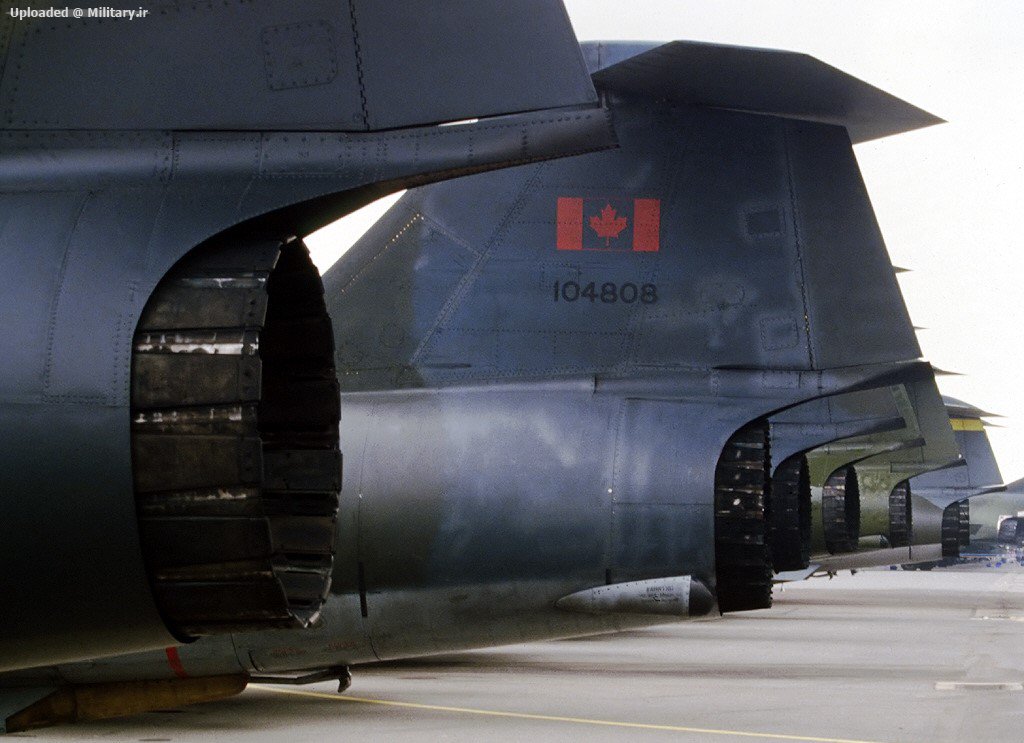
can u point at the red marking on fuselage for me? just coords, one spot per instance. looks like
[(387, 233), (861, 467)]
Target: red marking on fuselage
[(609, 220), (569, 229), (646, 225), (608, 224), (174, 661)]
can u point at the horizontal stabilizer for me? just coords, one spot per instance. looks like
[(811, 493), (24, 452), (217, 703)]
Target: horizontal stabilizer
[(1000, 488), (768, 81), (960, 409), (1017, 486)]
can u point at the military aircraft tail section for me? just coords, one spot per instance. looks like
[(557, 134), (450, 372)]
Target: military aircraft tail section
[(320, 65), (713, 239), (979, 470), (962, 503), (722, 265), (969, 429)]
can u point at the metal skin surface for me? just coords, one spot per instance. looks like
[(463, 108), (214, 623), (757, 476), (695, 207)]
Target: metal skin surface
[(507, 446), (105, 187), (268, 65), (817, 423)]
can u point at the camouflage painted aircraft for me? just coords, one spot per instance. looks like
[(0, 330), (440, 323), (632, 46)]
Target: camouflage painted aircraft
[(557, 381), (168, 403), (902, 430), (961, 511), (902, 517)]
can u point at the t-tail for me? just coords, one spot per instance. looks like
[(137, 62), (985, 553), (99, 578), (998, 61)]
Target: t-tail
[(962, 504)]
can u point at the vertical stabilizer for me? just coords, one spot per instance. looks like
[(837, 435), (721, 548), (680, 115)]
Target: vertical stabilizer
[(711, 239)]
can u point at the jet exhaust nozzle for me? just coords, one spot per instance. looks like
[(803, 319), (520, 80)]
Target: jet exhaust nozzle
[(789, 518), (235, 414), (901, 515), (743, 565), (840, 511), (956, 527)]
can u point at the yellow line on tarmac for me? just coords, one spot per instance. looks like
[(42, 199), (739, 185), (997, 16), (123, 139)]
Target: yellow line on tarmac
[(556, 718)]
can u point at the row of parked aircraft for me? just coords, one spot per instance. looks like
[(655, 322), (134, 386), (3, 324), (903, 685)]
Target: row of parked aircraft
[(629, 351)]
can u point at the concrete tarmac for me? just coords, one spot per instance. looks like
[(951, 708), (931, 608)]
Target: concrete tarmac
[(876, 656)]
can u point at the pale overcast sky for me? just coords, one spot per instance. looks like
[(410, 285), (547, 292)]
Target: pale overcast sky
[(948, 198)]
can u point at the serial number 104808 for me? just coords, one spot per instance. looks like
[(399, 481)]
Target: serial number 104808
[(608, 292)]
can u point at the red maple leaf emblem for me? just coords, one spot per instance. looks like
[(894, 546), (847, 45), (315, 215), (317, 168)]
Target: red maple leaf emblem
[(607, 225)]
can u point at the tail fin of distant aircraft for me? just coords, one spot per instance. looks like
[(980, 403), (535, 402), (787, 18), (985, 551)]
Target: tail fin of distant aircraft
[(732, 230), (970, 495), (980, 468)]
